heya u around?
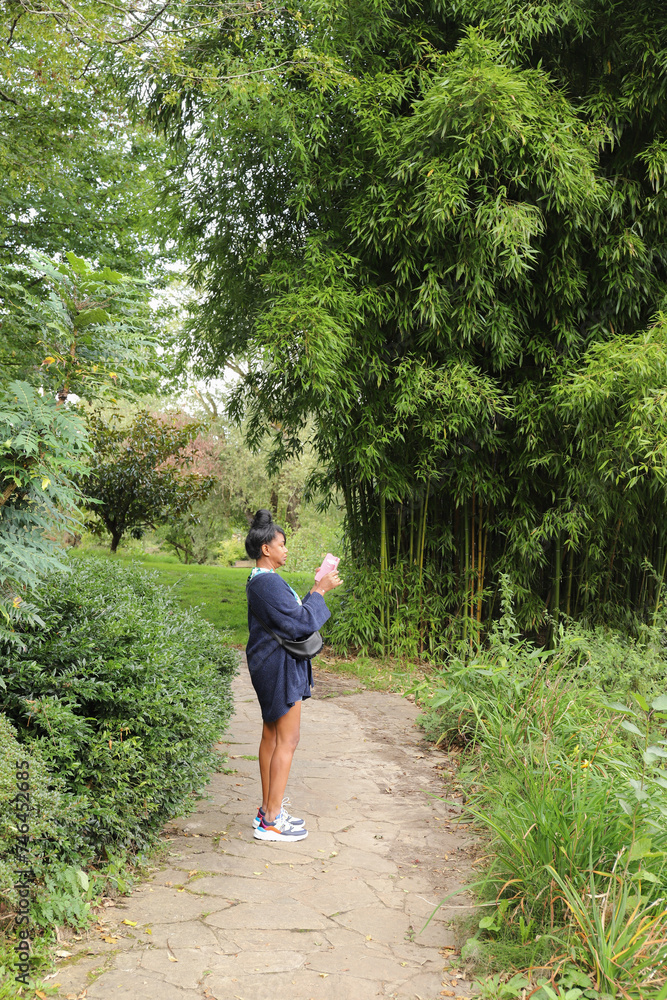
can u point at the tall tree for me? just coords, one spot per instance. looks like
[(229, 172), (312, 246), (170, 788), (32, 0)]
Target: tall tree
[(77, 180), (441, 230), (67, 329), (137, 476)]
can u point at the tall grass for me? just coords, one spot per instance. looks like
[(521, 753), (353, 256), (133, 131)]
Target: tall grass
[(569, 782), (621, 938)]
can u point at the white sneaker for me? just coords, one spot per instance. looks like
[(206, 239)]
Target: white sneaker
[(294, 820), (280, 829)]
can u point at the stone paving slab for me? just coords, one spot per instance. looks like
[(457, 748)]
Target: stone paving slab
[(338, 916)]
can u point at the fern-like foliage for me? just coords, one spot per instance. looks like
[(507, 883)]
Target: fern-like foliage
[(41, 446)]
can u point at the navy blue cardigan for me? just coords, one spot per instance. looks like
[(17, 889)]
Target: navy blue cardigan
[(280, 680)]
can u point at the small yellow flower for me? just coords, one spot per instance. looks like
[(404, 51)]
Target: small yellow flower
[(585, 763), (49, 360)]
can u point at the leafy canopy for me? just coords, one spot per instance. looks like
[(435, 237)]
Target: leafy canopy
[(429, 227), (75, 171)]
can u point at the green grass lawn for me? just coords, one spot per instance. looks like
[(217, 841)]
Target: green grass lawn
[(218, 591), (219, 594)]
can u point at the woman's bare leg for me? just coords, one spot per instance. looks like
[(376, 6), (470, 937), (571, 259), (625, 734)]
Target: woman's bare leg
[(266, 747), (287, 730)]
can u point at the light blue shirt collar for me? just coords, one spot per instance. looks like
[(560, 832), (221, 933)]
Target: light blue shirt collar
[(260, 569)]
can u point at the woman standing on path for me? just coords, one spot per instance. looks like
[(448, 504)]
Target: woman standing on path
[(280, 681)]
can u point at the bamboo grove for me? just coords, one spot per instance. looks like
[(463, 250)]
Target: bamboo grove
[(438, 230)]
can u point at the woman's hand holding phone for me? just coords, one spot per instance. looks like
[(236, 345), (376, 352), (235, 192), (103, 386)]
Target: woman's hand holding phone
[(326, 575), (328, 582)]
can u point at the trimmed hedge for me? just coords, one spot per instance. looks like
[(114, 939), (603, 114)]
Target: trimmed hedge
[(120, 698), (47, 808)]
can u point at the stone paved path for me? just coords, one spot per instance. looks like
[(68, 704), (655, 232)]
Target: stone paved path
[(338, 915)]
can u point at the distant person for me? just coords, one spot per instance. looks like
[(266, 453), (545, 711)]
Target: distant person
[(280, 681)]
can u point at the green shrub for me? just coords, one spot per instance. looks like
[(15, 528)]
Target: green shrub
[(50, 810), (399, 612), (56, 893), (354, 621), (616, 662), (230, 550), (123, 694)]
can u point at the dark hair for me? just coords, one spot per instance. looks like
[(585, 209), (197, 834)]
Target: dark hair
[(262, 532)]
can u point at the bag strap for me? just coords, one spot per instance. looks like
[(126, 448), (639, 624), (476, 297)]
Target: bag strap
[(279, 640)]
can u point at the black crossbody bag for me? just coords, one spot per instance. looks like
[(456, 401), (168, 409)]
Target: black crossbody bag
[(301, 649)]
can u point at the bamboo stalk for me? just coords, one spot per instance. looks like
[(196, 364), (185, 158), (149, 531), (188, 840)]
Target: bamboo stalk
[(466, 554), (558, 572), (421, 542), (423, 531), (359, 524), (456, 528), (365, 520), (471, 583), (412, 527), (611, 561), (570, 574), (383, 558), (399, 532), (480, 581), (480, 588), (351, 506)]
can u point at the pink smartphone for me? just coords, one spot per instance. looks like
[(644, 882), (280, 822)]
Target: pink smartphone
[(329, 563)]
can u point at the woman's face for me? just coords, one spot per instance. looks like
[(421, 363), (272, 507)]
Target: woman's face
[(275, 551)]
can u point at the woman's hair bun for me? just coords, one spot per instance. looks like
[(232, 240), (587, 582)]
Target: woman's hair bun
[(262, 519)]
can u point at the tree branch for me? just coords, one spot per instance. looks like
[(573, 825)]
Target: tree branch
[(12, 29), (142, 30), (7, 493), (212, 402), (86, 67), (6, 97)]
